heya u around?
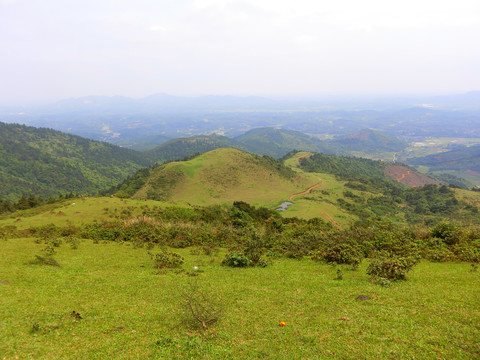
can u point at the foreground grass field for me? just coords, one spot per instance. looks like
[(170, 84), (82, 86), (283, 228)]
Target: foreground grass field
[(107, 301)]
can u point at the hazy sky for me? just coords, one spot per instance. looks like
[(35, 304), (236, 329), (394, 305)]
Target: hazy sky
[(67, 48)]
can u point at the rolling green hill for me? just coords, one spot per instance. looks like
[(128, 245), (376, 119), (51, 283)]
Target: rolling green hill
[(222, 176), (46, 162), (278, 142), (338, 189), (180, 148)]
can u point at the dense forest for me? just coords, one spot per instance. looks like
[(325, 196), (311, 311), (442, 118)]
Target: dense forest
[(45, 162)]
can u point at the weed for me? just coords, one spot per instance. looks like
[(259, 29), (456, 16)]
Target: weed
[(55, 242), (49, 250), (73, 241), (339, 275), (35, 328), (202, 308), (45, 260), (383, 282)]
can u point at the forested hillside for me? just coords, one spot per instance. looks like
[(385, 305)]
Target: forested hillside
[(278, 142), (45, 162), (178, 149), (370, 192)]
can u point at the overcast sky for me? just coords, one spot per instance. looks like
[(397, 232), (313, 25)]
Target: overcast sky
[(57, 49)]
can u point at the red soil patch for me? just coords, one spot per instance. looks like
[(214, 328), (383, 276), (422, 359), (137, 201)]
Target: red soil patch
[(410, 178), (472, 172), (361, 135), (302, 156)]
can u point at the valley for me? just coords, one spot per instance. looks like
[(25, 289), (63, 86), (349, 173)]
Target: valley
[(180, 251)]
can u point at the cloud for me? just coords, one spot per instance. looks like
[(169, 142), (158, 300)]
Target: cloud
[(236, 46)]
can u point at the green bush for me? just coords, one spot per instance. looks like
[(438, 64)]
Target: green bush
[(450, 233), (340, 254), (391, 268), (166, 259), (440, 254), (237, 259)]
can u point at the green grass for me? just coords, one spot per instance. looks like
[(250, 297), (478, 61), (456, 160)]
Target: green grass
[(129, 311), (77, 211), (226, 175)]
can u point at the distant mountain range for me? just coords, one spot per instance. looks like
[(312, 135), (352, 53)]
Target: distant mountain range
[(141, 124)]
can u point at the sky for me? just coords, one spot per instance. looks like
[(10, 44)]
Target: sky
[(55, 49)]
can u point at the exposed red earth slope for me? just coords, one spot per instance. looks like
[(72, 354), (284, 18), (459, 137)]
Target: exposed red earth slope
[(408, 177)]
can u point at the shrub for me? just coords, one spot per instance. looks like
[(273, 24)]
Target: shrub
[(166, 259), (440, 254), (254, 249), (340, 254), (237, 259), (391, 268), (450, 233)]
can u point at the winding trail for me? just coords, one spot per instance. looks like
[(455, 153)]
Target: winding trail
[(323, 212), (305, 192)]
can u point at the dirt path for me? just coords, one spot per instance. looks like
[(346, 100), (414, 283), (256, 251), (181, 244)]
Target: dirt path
[(305, 192), (323, 212), (331, 220), (304, 155)]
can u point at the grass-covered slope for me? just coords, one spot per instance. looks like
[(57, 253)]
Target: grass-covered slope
[(46, 162), (178, 149), (117, 293), (223, 176)]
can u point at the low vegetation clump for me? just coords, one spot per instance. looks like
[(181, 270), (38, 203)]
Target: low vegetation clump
[(392, 269), (340, 254), (45, 260), (166, 260)]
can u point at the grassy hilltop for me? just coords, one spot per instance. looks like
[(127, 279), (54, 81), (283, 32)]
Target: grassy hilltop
[(222, 176)]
